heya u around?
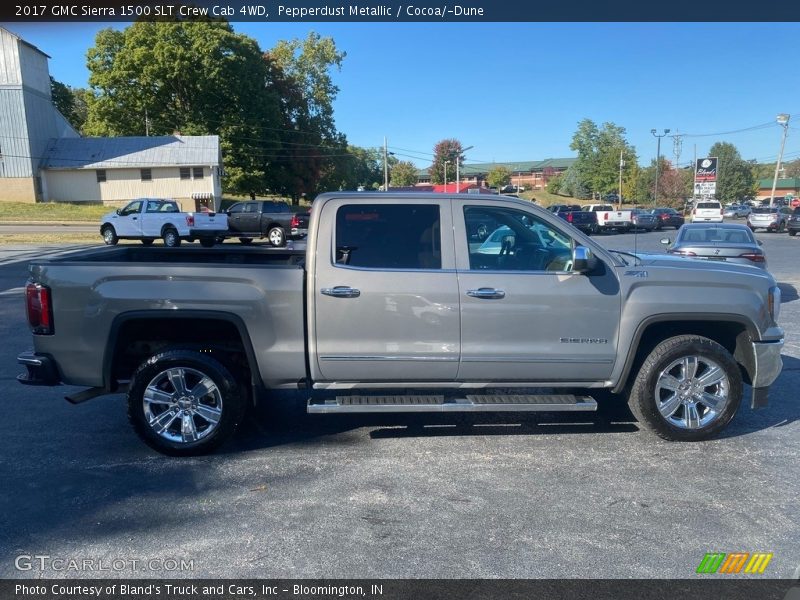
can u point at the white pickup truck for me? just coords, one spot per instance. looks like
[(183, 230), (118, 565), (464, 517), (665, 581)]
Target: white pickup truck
[(147, 219), (608, 218)]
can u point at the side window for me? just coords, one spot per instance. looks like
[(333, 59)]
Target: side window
[(251, 207), (153, 206), (236, 208), (132, 208), (517, 241), (388, 236)]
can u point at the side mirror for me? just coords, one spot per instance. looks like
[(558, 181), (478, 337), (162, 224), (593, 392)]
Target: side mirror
[(583, 260), (118, 211), (665, 241)]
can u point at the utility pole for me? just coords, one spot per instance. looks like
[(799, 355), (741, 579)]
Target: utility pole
[(385, 166), (694, 184), (658, 160), (459, 158), (621, 165), (445, 175), (677, 146), (783, 121)]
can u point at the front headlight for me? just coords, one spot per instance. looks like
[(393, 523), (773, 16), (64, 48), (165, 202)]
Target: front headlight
[(774, 303)]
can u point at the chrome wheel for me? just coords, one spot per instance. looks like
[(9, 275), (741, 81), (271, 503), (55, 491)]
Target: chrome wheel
[(182, 405), (692, 392), (275, 236)]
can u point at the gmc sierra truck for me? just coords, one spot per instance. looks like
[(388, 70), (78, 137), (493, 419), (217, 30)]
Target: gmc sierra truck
[(394, 293)]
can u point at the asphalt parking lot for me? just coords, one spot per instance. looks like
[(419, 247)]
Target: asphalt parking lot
[(517, 496)]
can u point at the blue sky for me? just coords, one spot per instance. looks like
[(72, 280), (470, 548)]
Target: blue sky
[(515, 91)]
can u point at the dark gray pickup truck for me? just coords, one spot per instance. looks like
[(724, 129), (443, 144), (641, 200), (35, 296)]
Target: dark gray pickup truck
[(266, 219), (397, 292)]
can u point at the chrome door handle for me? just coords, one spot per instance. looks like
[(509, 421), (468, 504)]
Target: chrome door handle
[(487, 294), (341, 291)]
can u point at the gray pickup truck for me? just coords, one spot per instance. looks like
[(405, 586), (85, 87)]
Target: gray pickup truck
[(395, 292)]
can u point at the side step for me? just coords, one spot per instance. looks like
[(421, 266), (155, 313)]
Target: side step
[(439, 403)]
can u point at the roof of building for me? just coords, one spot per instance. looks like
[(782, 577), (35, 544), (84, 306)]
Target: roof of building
[(14, 35), (132, 152), (524, 166), (788, 182)]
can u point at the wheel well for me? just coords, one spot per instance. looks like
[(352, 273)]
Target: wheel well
[(166, 227), (731, 335), (139, 338), (271, 225), (104, 225)]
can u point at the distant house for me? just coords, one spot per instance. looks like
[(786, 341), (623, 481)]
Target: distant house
[(115, 170), (790, 185), (531, 174), (42, 158)]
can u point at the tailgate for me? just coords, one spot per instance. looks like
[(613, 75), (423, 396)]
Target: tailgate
[(208, 221)]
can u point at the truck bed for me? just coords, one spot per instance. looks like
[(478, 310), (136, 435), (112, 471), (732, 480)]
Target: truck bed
[(228, 255)]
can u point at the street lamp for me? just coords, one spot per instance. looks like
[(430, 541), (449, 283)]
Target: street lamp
[(459, 157), (658, 160), (445, 175), (783, 121)]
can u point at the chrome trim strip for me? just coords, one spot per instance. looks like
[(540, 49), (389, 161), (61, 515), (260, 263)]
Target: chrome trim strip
[(584, 404), (392, 358), (514, 359), (34, 362)]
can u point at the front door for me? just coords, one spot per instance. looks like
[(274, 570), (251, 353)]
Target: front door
[(129, 222), (385, 293), (524, 315)]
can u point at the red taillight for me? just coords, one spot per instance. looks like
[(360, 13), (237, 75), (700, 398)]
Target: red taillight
[(569, 217), (664, 216), (39, 308), (295, 221), (605, 217), (752, 256), (190, 220)]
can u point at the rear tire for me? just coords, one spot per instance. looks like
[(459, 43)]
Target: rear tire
[(184, 403), (171, 238), (688, 389), (792, 233), (109, 235), (276, 237)]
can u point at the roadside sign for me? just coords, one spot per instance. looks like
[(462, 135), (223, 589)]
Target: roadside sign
[(705, 188), (706, 169)]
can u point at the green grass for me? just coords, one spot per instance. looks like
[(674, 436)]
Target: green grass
[(544, 198), (51, 211)]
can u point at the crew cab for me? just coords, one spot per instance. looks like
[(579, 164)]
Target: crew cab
[(609, 218), (266, 219), (394, 293), (148, 219)]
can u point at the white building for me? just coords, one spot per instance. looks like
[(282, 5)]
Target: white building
[(42, 158), (116, 170)]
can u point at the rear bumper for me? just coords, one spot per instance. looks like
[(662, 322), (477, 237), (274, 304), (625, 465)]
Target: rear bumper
[(211, 233), (41, 369), (297, 233), (768, 365)]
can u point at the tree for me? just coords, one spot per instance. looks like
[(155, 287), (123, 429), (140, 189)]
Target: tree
[(445, 151), (70, 102), (354, 167), (404, 174), (497, 177), (792, 169), (734, 175), (599, 150), (193, 77), (555, 183)]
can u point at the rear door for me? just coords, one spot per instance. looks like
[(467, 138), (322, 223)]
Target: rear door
[(524, 315), (384, 292)]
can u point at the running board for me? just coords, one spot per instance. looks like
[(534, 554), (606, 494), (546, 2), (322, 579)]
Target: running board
[(439, 403)]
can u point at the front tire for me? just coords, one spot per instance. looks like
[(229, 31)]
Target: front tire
[(792, 233), (171, 238), (184, 403), (109, 235), (276, 237), (688, 389)]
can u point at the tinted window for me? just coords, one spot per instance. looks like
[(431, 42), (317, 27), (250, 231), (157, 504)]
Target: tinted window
[(519, 242), (236, 208), (388, 236), (251, 207), (708, 205)]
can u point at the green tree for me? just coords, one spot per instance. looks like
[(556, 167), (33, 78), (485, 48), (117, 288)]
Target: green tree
[(734, 175), (70, 102), (354, 167), (599, 152), (404, 174), (445, 151), (498, 176), (792, 169), (193, 77), (555, 183)]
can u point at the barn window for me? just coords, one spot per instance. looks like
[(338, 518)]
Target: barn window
[(101, 175), (147, 174), (198, 172), (186, 173)]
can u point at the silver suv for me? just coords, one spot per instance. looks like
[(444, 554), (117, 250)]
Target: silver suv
[(772, 219)]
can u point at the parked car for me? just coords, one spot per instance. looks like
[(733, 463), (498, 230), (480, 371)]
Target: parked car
[(775, 218), (584, 220), (793, 225), (609, 218), (736, 211), (557, 208), (668, 217), (644, 219), (266, 219), (148, 219), (724, 242), (195, 338), (707, 211)]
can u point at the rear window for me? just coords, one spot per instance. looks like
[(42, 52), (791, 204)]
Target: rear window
[(708, 205), (765, 210)]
